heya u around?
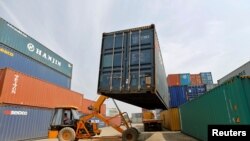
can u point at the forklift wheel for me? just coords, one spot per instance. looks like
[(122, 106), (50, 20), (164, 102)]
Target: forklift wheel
[(135, 130), (130, 135), (66, 134)]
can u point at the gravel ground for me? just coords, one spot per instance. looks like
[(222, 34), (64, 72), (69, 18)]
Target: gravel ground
[(110, 134)]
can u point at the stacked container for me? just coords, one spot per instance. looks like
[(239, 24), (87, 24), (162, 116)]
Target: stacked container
[(185, 86), (22, 53), (243, 70), (26, 105), (206, 78), (171, 119), (39, 82), (21, 89)]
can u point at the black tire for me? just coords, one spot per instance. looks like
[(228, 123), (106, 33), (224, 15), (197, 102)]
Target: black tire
[(67, 134), (136, 130), (130, 135)]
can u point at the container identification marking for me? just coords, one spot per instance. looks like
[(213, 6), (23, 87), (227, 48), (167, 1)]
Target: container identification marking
[(14, 85), (43, 54), (11, 112), (6, 52)]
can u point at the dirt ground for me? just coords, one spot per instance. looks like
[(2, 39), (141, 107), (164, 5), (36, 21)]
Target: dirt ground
[(110, 134)]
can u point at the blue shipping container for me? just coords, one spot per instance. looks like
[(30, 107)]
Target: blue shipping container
[(195, 91), (177, 95), (131, 68), (21, 122), (206, 78), (13, 59), (185, 79)]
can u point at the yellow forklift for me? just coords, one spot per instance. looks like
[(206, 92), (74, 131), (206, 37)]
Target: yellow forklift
[(79, 126)]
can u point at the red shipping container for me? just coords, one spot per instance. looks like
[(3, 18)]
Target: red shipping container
[(173, 80), (86, 103), (18, 88), (195, 79)]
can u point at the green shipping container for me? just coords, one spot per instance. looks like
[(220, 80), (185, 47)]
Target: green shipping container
[(18, 40), (227, 104)]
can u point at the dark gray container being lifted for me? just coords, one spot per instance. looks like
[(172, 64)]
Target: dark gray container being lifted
[(131, 68)]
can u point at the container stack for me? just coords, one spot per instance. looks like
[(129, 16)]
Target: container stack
[(22, 53), (185, 87), (33, 81)]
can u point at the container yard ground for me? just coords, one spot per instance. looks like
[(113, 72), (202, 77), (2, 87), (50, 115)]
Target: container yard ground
[(109, 134)]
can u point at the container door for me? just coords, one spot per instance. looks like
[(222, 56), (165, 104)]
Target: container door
[(112, 65), (139, 63)]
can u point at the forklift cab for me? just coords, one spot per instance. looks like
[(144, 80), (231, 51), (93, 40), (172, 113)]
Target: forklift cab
[(64, 117)]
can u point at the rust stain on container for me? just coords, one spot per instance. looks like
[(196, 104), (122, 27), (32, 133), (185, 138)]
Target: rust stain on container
[(171, 119), (18, 88), (173, 80)]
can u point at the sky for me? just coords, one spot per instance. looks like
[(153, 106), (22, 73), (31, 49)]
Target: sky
[(195, 36)]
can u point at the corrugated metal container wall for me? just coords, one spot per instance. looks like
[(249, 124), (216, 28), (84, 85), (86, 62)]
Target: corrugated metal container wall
[(18, 88), (177, 96), (171, 119), (173, 80), (131, 68), (13, 59), (86, 103), (185, 79), (243, 70), (206, 78), (18, 40), (195, 79), (22, 122), (136, 117), (195, 91), (210, 86), (226, 104)]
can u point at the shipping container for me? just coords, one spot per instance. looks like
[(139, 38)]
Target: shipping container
[(17, 61), (87, 102), (18, 40), (195, 79), (21, 89), (177, 96), (210, 86), (23, 122), (173, 80), (206, 78), (131, 68), (195, 91), (227, 104), (185, 79), (243, 70), (171, 119), (136, 117)]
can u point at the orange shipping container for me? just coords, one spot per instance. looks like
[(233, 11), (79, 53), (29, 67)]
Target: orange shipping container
[(86, 103), (173, 80), (195, 79), (18, 88), (171, 119)]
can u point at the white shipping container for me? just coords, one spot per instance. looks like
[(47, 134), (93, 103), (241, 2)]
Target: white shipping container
[(243, 70)]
